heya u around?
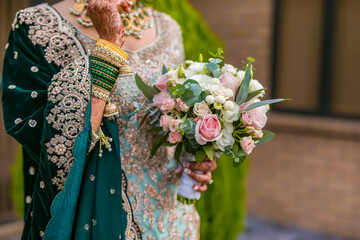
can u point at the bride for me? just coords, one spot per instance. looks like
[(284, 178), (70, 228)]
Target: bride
[(76, 112)]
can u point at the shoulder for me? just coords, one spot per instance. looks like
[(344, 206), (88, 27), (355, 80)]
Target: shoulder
[(40, 14), (166, 20)]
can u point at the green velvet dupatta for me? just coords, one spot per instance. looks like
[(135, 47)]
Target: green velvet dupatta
[(70, 193)]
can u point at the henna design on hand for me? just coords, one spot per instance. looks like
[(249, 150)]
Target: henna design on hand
[(107, 20)]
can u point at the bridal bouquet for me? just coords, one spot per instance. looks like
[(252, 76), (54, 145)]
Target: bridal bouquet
[(207, 109)]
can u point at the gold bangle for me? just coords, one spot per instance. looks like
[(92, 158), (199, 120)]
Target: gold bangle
[(112, 47), (101, 93)]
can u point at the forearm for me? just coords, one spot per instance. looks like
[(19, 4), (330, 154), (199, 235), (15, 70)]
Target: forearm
[(97, 110)]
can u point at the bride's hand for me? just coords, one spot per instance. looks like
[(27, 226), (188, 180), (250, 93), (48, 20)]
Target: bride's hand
[(106, 18), (207, 166)]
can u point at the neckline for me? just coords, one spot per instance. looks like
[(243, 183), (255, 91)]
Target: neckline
[(157, 26)]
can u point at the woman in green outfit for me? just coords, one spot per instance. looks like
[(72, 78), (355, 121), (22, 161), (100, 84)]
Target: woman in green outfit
[(76, 113)]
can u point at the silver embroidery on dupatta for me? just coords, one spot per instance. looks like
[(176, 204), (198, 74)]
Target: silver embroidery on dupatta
[(69, 90)]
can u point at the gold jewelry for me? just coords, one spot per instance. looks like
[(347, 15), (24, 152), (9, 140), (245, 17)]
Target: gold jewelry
[(103, 140), (112, 47), (111, 110), (135, 22)]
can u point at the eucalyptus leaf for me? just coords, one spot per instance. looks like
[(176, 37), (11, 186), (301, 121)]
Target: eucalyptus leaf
[(212, 66), (216, 73), (244, 87), (148, 91), (239, 159), (196, 89), (189, 81), (263, 103), (144, 119), (215, 60), (164, 70), (253, 94), (266, 138)]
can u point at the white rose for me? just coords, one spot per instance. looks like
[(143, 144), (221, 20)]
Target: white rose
[(229, 105), (220, 99), (197, 66), (201, 109), (173, 77), (216, 81), (210, 99), (219, 90), (228, 127), (241, 74), (228, 68), (230, 115), (225, 140), (204, 81), (254, 86)]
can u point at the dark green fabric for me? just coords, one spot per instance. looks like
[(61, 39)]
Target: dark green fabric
[(61, 213)]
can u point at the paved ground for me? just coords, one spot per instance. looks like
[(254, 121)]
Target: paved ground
[(258, 230), (262, 230)]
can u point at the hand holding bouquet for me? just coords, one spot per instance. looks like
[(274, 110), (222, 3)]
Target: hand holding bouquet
[(208, 109)]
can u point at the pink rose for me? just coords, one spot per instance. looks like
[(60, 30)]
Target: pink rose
[(168, 104), (256, 133), (207, 129), (174, 137), (165, 121), (173, 125), (159, 98), (161, 83), (181, 105), (247, 144), (253, 117), (229, 81)]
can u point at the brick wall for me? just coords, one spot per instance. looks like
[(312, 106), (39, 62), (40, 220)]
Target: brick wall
[(308, 176)]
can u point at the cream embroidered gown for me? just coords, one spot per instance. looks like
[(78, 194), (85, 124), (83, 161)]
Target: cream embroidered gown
[(152, 183)]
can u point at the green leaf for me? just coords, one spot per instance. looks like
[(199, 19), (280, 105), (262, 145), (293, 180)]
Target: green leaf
[(216, 73), (189, 81), (212, 66), (144, 119), (244, 87), (253, 94), (196, 89), (199, 156), (148, 91), (266, 138), (158, 142), (215, 60), (154, 129), (178, 151), (164, 70), (266, 102), (239, 159), (209, 150)]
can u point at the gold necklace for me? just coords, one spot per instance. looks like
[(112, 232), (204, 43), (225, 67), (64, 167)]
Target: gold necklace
[(135, 22)]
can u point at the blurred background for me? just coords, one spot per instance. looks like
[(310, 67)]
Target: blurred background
[(305, 183)]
